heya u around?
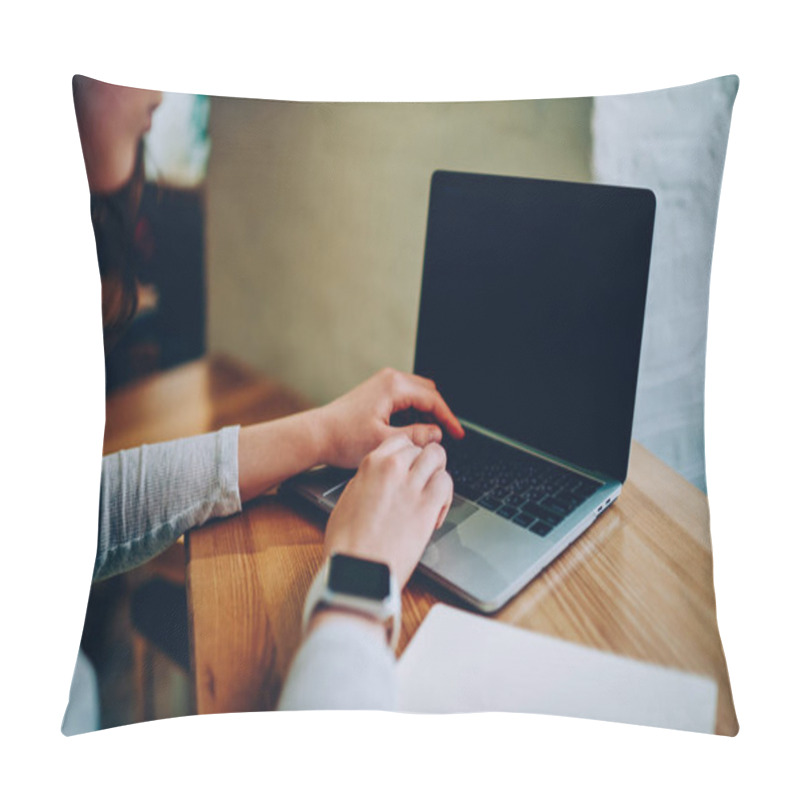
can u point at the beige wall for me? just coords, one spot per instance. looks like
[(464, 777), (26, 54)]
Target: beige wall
[(316, 220)]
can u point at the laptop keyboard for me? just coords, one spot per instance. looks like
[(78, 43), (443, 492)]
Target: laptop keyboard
[(531, 492)]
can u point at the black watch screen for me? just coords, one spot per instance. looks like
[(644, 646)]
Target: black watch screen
[(358, 577)]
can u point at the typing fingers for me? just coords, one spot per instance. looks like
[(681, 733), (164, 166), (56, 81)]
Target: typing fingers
[(440, 495), (392, 458), (421, 396), (431, 459)]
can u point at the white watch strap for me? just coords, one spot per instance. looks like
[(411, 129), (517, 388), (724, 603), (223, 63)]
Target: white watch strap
[(314, 595)]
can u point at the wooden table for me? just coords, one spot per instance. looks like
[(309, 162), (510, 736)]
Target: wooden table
[(637, 583)]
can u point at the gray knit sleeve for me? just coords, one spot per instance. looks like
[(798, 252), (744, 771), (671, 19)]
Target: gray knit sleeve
[(151, 495)]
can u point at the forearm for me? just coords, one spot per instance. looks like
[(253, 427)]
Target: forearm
[(152, 494), (340, 433), (270, 452)]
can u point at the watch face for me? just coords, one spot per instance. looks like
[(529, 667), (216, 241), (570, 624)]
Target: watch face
[(359, 577)]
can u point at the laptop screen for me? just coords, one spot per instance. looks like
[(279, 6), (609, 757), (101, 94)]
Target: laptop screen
[(531, 311)]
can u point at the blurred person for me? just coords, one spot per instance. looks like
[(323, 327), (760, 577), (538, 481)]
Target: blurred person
[(153, 494)]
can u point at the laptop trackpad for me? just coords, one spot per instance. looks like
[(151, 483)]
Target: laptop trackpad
[(481, 554), (460, 510)]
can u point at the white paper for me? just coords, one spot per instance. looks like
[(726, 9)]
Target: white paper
[(461, 662)]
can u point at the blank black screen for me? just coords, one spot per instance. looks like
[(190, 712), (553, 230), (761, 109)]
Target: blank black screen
[(356, 576), (531, 312)]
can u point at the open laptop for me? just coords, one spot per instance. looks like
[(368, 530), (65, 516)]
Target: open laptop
[(530, 323)]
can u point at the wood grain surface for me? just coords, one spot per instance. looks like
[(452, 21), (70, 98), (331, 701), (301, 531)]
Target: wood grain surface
[(194, 398), (638, 583)]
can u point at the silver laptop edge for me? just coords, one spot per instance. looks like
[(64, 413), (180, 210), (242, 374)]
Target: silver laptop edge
[(479, 549), (493, 556)]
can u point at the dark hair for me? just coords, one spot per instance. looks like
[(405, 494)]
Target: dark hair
[(114, 218)]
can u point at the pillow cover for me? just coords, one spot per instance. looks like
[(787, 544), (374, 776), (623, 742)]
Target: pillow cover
[(258, 257)]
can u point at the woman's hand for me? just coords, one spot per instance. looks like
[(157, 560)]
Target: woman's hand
[(399, 496), (341, 433), (358, 422)]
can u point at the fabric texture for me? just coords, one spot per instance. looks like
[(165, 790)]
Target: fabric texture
[(341, 666)]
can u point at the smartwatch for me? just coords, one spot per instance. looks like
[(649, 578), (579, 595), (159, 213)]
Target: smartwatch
[(357, 584)]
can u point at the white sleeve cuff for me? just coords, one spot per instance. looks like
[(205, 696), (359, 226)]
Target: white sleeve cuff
[(341, 666)]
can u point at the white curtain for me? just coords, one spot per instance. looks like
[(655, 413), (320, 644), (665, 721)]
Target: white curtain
[(673, 142)]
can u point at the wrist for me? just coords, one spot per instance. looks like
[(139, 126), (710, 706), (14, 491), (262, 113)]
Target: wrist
[(362, 589), (323, 434), (270, 452)]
